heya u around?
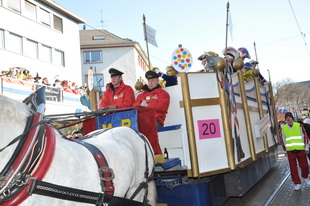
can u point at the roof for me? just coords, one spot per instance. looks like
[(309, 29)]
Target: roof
[(305, 83), (110, 40)]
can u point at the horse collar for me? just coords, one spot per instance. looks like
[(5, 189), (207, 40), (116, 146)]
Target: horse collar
[(32, 161)]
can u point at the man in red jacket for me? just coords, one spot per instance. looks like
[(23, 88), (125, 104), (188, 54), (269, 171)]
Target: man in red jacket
[(155, 97), (118, 95), (157, 100)]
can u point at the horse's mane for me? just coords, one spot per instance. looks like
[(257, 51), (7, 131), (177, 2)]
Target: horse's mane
[(13, 110)]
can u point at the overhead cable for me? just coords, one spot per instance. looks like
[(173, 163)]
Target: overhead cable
[(302, 34)]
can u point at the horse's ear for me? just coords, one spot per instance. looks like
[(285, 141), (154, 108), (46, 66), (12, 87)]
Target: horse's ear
[(36, 98), (40, 98)]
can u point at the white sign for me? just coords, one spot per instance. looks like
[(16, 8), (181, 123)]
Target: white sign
[(181, 59), (150, 35), (90, 79), (264, 124)]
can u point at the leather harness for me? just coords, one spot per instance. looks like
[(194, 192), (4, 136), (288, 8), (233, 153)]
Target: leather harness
[(105, 173), (21, 177), (32, 156)]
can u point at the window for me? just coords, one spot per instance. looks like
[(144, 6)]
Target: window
[(57, 23), (44, 17), (100, 37), (31, 48), (92, 56), (141, 63), (14, 43), (46, 53), (14, 5), (30, 11), (59, 58), (98, 81), (1, 38)]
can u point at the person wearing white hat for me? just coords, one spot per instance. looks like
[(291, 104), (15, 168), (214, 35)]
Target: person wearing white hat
[(230, 55)]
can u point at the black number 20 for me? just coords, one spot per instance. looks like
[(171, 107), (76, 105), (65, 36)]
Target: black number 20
[(209, 128)]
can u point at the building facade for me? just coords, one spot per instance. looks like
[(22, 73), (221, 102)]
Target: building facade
[(42, 37), (103, 50)]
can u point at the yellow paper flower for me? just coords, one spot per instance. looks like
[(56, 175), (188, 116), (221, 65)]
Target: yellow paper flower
[(247, 76)]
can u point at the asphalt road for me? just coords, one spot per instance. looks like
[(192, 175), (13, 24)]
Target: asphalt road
[(260, 193)]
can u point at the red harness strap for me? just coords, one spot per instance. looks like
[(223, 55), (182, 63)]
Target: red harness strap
[(106, 174), (26, 147), (42, 168), (19, 163)]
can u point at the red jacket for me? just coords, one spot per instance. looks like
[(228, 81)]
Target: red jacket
[(122, 98), (158, 99)]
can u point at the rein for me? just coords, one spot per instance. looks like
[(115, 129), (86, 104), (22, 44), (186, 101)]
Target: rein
[(147, 177), (25, 132), (86, 115)]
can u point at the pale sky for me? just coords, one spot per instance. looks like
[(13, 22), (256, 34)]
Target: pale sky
[(200, 25)]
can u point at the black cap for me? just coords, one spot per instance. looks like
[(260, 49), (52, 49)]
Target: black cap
[(289, 114), (25, 72), (115, 72), (150, 74), (37, 76)]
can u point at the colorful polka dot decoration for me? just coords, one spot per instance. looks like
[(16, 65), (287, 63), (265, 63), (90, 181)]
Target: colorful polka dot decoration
[(182, 59)]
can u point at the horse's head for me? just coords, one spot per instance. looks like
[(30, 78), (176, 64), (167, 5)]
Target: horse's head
[(13, 117)]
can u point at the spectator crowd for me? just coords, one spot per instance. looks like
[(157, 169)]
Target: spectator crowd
[(24, 74)]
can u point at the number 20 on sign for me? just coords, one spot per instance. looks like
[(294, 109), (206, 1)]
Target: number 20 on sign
[(209, 128)]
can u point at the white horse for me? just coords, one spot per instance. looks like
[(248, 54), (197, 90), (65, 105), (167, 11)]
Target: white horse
[(74, 166)]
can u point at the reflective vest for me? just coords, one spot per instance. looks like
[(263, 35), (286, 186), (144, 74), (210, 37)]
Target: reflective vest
[(294, 140)]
